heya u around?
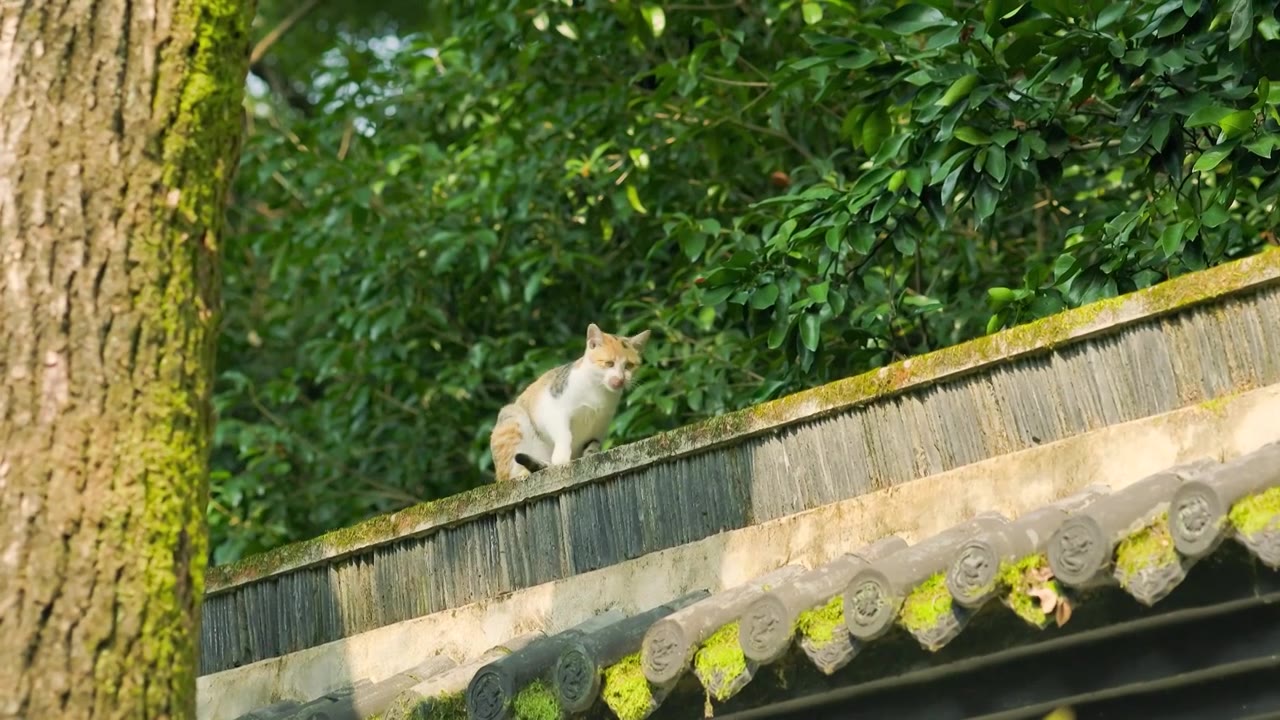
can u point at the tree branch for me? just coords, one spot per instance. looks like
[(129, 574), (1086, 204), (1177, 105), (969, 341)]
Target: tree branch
[(279, 30)]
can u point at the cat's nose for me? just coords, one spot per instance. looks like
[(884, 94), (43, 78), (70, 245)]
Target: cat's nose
[(615, 383)]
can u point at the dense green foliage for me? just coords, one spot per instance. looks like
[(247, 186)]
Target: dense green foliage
[(785, 192)]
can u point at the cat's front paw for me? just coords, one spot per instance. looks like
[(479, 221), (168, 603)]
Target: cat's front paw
[(591, 448), (561, 455)]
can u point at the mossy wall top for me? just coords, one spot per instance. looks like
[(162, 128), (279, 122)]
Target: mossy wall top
[(1191, 339)]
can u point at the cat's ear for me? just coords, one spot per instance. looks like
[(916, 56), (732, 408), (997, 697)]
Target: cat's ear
[(638, 341), (594, 336)]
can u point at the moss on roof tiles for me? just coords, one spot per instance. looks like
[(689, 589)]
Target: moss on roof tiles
[(1258, 512), (1149, 547), (536, 701), (926, 605), (820, 624), (1019, 580), (355, 537), (449, 706), (626, 691), (720, 660)]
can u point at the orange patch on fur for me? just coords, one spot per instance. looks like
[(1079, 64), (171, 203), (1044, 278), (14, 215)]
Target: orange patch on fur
[(613, 349), (503, 444)]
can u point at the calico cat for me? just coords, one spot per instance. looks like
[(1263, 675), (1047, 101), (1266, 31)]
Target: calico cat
[(565, 413)]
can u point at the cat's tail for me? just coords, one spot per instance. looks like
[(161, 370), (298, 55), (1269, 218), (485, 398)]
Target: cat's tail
[(505, 442), (531, 463)]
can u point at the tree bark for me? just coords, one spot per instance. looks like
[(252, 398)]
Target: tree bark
[(120, 124)]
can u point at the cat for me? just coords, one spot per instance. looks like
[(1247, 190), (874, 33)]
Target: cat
[(565, 413)]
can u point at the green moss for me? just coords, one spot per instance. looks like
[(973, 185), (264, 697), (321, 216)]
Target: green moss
[(177, 194), (451, 706), (1013, 578), (720, 658), (927, 604), (536, 702), (819, 624), (1258, 512), (363, 534), (1151, 546), (626, 691), (1218, 405)]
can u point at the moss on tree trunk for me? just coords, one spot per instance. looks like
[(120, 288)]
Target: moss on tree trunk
[(120, 125)]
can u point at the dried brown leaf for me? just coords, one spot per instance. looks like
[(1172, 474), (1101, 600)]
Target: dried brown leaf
[(1038, 575), (1047, 597), (1064, 612)]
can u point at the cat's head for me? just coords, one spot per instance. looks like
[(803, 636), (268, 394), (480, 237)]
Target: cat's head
[(613, 358)]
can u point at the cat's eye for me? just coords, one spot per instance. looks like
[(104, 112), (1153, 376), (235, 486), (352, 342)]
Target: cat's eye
[(631, 366), (608, 363)]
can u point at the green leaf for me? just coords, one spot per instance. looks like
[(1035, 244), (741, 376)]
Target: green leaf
[(1134, 137), (1171, 238), (819, 292), (1020, 51), (896, 180), (1214, 215), (1241, 23), (972, 135), (996, 165), (890, 148), (729, 51), (1208, 115), (834, 235), (959, 90), (764, 296), (567, 29), (883, 206), (656, 18), (944, 38), (1263, 93), (1211, 158), (693, 244), (1065, 267), (715, 296), (812, 13), (985, 197), (837, 302), (533, 284), (1004, 137), (633, 197), (710, 226), (1000, 296), (914, 17), (915, 180), (809, 326), (778, 334), (874, 130), (863, 237), (932, 202), (1263, 146), (1237, 123), (1110, 14)]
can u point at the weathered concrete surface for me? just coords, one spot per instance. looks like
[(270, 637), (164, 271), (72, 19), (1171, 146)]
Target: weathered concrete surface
[(1179, 294), (1012, 484)]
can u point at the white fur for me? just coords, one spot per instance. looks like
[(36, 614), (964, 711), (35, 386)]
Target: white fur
[(582, 412)]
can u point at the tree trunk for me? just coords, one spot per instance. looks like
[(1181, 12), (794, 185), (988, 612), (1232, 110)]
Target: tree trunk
[(120, 124)]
